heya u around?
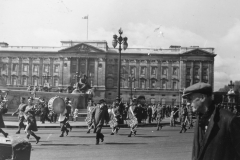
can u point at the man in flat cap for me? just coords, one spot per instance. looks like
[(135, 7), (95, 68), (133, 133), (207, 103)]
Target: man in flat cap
[(217, 130), (99, 115)]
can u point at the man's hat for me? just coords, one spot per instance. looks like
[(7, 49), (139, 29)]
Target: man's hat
[(101, 101), (30, 98), (134, 99), (23, 98), (203, 88)]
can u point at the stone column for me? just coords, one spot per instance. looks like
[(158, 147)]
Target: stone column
[(200, 73), (9, 71), (137, 73), (148, 69), (192, 71)]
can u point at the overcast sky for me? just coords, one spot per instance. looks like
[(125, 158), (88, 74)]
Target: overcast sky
[(204, 23)]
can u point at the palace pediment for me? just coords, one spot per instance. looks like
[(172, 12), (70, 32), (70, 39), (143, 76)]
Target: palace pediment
[(198, 52), (82, 48)]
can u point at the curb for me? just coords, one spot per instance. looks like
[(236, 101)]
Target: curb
[(105, 126)]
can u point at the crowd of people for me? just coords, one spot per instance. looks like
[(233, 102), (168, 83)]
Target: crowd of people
[(217, 126)]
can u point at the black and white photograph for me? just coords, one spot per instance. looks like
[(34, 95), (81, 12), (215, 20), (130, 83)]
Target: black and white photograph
[(119, 80)]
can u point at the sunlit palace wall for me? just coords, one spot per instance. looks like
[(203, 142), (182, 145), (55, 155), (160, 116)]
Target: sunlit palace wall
[(158, 74)]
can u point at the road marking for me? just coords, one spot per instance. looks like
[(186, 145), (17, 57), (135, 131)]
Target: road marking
[(49, 136)]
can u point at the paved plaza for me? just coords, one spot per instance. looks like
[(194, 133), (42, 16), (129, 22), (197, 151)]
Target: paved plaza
[(166, 144)]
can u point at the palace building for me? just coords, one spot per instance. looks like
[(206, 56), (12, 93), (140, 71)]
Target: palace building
[(158, 74)]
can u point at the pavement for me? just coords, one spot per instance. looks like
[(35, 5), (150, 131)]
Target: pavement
[(80, 124), (148, 144)]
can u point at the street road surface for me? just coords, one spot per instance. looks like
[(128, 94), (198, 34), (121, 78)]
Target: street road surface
[(166, 144)]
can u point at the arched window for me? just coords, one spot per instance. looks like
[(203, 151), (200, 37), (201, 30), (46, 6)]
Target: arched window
[(14, 80), (153, 83), (24, 81), (164, 84), (56, 82)]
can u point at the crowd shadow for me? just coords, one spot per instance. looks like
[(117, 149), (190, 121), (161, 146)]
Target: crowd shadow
[(116, 143)]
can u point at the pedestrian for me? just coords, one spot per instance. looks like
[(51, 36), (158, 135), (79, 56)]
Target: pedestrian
[(217, 130), (44, 111), (89, 119), (184, 120), (99, 115), (149, 114), (3, 110), (114, 116), (21, 109), (159, 117), (63, 120), (190, 116), (75, 115), (52, 115), (68, 109), (31, 120), (172, 120), (132, 119)]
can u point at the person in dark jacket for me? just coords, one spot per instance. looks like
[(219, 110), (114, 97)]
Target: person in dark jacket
[(149, 114), (31, 120), (20, 111), (3, 110), (217, 130), (69, 110), (44, 111), (99, 115)]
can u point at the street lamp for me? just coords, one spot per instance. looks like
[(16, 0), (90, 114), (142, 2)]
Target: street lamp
[(121, 41), (131, 79)]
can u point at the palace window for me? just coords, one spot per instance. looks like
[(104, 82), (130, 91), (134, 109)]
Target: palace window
[(142, 83), (196, 72), (122, 83), (153, 83), (14, 67), (164, 70), (174, 85), (163, 101), (132, 70), (143, 70), (35, 81), (5, 66), (56, 82), (188, 82), (56, 68), (25, 67), (164, 84), (153, 70), (24, 81), (35, 67), (175, 71), (46, 67), (14, 81), (188, 71)]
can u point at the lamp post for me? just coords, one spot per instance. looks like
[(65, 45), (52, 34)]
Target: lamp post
[(131, 79), (121, 41)]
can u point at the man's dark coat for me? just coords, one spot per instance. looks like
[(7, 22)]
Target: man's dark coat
[(221, 140)]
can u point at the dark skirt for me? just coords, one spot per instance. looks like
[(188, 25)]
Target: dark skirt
[(32, 124), (2, 125)]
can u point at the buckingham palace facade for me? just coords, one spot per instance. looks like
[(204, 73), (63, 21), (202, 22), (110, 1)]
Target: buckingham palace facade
[(158, 74)]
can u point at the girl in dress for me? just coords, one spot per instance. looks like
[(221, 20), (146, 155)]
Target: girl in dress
[(75, 115)]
